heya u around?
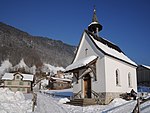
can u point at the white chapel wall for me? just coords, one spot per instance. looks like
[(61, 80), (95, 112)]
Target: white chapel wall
[(86, 43), (111, 65), (99, 85)]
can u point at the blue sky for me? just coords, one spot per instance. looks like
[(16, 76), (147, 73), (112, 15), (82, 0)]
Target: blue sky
[(125, 22)]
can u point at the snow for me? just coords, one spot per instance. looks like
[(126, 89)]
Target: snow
[(113, 52), (56, 105), (63, 100), (11, 102), (44, 83), (22, 65), (146, 66), (28, 77), (81, 62), (61, 79), (5, 66), (10, 76), (93, 23), (52, 69), (33, 69)]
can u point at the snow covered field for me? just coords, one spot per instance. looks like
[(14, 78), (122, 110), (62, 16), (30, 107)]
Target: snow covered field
[(11, 102)]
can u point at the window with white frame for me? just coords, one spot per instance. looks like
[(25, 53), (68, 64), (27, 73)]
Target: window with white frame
[(117, 77), (129, 80)]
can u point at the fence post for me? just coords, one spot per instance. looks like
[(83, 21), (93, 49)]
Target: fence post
[(138, 104), (34, 99), (137, 107)]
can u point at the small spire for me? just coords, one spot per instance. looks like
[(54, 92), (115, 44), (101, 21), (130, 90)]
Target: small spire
[(94, 19), (95, 26)]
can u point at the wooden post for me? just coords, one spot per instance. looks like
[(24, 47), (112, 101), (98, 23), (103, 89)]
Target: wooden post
[(137, 107), (34, 99), (138, 104)]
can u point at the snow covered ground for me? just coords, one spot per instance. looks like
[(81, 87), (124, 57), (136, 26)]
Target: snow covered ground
[(11, 102), (48, 104), (54, 104)]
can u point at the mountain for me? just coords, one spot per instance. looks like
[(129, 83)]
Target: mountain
[(35, 50)]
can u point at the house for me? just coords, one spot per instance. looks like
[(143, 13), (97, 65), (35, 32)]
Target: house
[(60, 80), (143, 75), (59, 83), (59, 74), (100, 68), (18, 82)]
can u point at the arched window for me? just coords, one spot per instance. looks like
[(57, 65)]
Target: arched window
[(129, 80), (117, 77)]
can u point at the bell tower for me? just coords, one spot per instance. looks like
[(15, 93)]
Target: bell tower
[(95, 27)]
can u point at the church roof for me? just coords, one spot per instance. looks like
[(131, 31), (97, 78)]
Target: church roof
[(110, 49), (80, 63)]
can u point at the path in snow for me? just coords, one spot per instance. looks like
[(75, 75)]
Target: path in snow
[(124, 108), (46, 104)]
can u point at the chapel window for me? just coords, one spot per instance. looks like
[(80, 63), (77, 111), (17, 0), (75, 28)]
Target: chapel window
[(117, 77), (129, 80)]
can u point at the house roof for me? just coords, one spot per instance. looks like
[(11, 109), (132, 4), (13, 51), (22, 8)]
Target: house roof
[(81, 63), (61, 79), (110, 49), (10, 76), (148, 67)]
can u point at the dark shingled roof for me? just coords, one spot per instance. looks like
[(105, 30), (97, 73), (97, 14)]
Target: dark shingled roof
[(104, 41)]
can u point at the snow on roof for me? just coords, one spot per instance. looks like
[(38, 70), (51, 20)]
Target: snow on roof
[(146, 66), (81, 62), (112, 51), (28, 77), (93, 23), (61, 79), (10, 76)]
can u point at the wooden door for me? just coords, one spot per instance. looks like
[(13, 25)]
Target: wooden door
[(87, 86)]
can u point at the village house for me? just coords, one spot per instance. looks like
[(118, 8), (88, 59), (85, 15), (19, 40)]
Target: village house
[(59, 83), (143, 75), (18, 82), (101, 70), (60, 80)]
